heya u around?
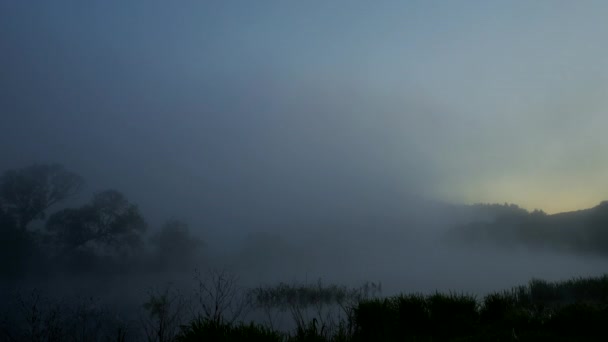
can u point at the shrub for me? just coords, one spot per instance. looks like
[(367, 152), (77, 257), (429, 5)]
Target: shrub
[(452, 315), (210, 330)]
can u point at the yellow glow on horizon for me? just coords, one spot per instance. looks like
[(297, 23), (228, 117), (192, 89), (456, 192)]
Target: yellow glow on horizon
[(549, 195)]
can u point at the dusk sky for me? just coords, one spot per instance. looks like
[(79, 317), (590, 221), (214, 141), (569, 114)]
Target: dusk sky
[(257, 103)]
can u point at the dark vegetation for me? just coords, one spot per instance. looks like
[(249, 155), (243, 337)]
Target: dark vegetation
[(581, 232), (107, 234), (572, 310), (42, 236)]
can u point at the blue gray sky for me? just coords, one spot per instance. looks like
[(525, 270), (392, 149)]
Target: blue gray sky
[(230, 108)]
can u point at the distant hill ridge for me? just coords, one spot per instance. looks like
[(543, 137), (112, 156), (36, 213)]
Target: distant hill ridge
[(582, 231)]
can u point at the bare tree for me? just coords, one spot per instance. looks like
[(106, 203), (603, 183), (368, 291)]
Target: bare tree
[(42, 319), (164, 315), (220, 298)]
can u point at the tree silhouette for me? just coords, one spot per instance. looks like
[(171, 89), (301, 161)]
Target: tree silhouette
[(25, 194), (7, 222), (174, 246), (109, 223)]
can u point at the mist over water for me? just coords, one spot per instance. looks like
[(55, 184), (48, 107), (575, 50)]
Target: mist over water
[(300, 142)]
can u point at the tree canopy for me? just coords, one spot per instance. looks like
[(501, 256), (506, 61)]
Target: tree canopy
[(109, 222), (25, 194)]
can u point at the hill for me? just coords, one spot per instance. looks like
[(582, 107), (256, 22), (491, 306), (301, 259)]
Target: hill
[(583, 231)]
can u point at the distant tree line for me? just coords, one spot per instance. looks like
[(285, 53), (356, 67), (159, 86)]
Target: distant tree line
[(581, 232), (108, 233)]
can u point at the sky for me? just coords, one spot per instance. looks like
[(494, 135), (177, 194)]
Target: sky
[(228, 109)]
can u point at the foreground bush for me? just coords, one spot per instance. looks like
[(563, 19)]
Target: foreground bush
[(416, 317), (210, 330)]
